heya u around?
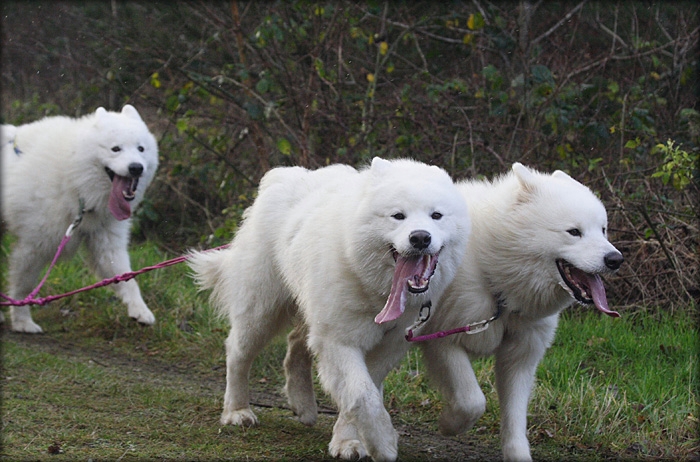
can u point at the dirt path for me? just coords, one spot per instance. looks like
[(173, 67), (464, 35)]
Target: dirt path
[(416, 442)]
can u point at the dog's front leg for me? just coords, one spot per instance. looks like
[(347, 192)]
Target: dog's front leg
[(345, 376), (449, 366), (26, 262), (108, 251), (516, 363)]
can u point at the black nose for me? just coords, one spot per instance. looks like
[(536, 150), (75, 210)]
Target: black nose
[(419, 239), (135, 169), (613, 260)]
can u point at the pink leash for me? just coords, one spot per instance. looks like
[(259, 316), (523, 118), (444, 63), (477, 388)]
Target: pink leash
[(31, 300), (424, 315)]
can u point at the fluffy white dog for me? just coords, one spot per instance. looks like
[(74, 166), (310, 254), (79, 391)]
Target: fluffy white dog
[(50, 167), (538, 244), (325, 250)]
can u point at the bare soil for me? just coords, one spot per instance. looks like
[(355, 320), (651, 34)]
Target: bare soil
[(416, 442)]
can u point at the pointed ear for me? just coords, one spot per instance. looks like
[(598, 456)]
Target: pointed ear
[(380, 165), (561, 175), (131, 112), (100, 115), (526, 177)]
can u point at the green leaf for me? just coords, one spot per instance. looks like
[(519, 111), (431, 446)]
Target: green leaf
[(182, 125), (263, 86), (541, 74), (284, 146), (633, 144)]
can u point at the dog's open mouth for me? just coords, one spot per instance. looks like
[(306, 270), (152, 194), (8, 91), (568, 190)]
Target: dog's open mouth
[(585, 287), (123, 191), (411, 275)]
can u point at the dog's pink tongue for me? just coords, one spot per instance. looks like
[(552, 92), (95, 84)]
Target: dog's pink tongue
[(597, 290), (396, 303), (118, 205)]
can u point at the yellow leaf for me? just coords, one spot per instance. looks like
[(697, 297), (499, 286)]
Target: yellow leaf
[(655, 76), (468, 38), (470, 21), (370, 78), (612, 129), (155, 81), (383, 48)]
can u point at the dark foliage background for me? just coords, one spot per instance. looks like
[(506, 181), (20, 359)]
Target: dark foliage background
[(233, 88)]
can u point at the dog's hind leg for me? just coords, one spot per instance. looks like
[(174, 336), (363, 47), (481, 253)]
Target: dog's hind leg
[(298, 365), (108, 251), (251, 330)]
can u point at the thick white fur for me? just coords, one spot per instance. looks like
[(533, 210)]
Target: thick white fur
[(519, 228), (321, 240), (47, 167)]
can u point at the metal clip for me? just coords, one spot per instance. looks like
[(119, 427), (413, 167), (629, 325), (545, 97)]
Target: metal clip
[(78, 218), (423, 316), (482, 325)]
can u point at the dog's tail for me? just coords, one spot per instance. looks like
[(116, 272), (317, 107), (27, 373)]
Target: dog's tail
[(208, 273)]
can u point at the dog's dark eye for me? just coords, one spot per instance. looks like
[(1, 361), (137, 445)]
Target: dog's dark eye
[(436, 215), (398, 216), (574, 232), (116, 149), (605, 232), (141, 149)]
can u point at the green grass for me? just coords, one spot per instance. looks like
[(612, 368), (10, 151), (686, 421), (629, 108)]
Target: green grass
[(628, 384), (608, 388)]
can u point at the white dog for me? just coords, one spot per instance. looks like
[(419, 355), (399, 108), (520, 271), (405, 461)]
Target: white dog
[(538, 243), (51, 169), (338, 244)]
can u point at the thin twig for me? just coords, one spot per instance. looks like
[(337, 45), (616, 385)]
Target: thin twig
[(644, 213), (558, 24)]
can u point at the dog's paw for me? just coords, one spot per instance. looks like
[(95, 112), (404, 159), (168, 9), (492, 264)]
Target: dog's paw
[(144, 317), (347, 449), (27, 326), (458, 419), (307, 418), (516, 450), (240, 417), (303, 406)]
